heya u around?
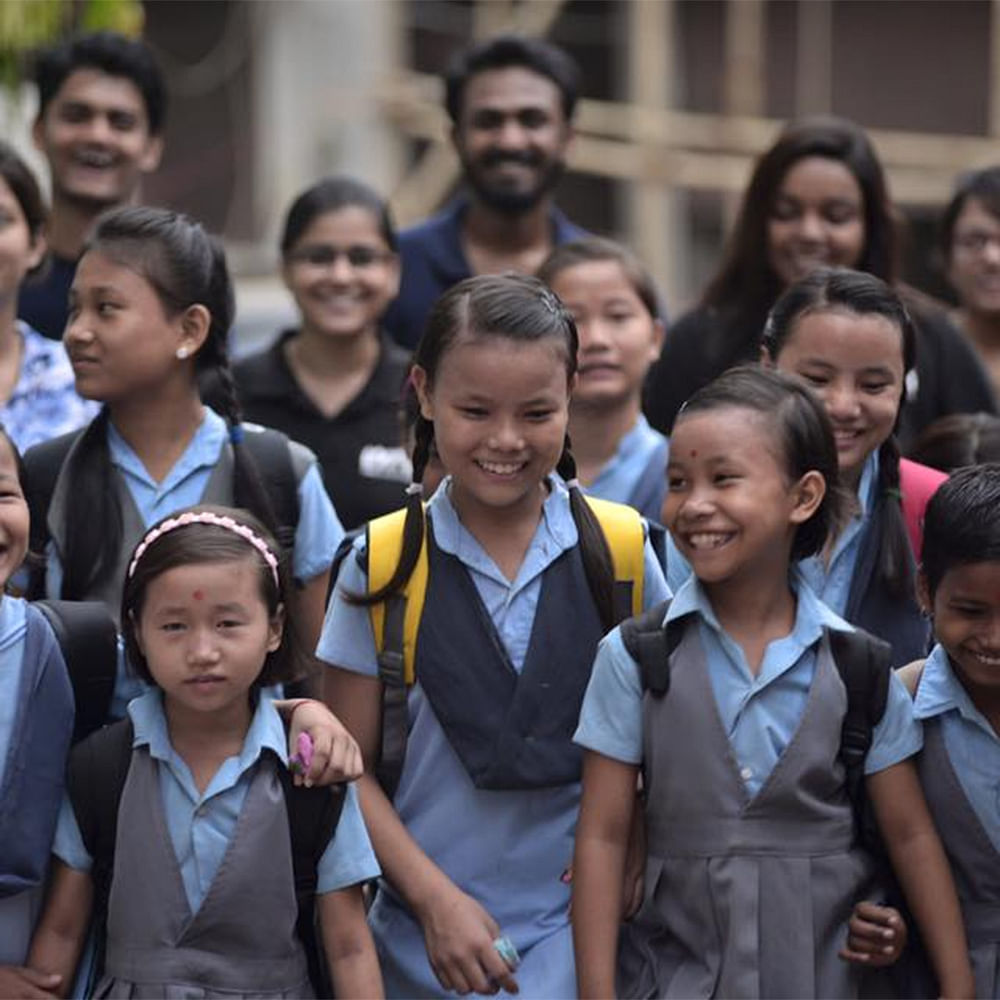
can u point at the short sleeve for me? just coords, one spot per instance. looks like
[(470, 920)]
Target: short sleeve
[(347, 639), (654, 587), (348, 858), (68, 843), (898, 734), (611, 715), (319, 530)]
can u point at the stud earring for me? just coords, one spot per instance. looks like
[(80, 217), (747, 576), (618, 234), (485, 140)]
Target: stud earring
[(182, 353)]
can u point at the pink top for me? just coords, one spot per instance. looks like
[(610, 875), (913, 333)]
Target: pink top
[(918, 484)]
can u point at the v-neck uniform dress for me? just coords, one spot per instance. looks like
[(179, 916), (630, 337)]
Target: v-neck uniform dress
[(752, 868)]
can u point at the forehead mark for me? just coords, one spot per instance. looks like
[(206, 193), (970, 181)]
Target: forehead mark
[(694, 453), (198, 595)]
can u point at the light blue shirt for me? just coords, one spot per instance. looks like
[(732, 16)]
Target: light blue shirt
[(760, 713), (44, 402), (201, 825), (830, 582), (13, 627), (972, 744), (505, 848), (317, 534), (620, 475)]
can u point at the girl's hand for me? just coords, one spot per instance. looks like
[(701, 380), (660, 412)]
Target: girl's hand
[(30, 984), (876, 935), (336, 756), (459, 936)]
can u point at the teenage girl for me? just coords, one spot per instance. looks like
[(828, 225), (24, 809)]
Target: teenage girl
[(36, 720), (476, 841), (37, 397), (752, 865), (847, 335), (150, 307), (614, 304), (203, 830), (335, 382)]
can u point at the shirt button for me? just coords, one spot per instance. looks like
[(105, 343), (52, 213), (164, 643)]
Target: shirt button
[(746, 774)]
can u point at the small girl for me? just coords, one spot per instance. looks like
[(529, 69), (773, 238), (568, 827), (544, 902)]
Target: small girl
[(335, 382), (614, 304), (848, 336), (752, 863), (202, 894), (957, 698), (476, 839), (150, 307)]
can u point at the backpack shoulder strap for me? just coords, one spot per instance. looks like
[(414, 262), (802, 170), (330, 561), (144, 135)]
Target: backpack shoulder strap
[(272, 454), (623, 529), (651, 644), (88, 638), (42, 465)]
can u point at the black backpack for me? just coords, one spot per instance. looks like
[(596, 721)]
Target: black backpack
[(864, 665), (95, 779)]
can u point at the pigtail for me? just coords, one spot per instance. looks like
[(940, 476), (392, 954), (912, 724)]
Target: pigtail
[(91, 554), (413, 526), (594, 549), (895, 558)]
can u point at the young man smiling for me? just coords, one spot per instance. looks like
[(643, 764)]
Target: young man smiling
[(102, 103)]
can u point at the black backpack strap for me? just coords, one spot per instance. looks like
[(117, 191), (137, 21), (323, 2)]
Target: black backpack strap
[(864, 665), (88, 639), (273, 457), (395, 712), (313, 815), (651, 644), (42, 465)]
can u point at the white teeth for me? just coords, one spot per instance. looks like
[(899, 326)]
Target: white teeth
[(990, 661), (708, 539), (501, 468)]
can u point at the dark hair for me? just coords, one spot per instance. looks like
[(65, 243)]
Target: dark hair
[(185, 267), (957, 440), (198, 543), (331, 195), (842, 290), (984, 186), (112, 54), (24, 187), (746, 286), (596, 248), (801, 429), (962, 522), (521, 309), (503, 51)]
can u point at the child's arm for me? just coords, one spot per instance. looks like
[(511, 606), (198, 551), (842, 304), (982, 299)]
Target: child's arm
[(348, 944), (602, 837), (59, 937), (458, 932), (922, 869), (336, 755)]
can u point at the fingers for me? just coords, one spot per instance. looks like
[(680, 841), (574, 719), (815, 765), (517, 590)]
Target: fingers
[(876, 935), (28, 983)]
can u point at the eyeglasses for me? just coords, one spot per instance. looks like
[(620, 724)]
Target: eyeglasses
[(324, 255), (976, 241)]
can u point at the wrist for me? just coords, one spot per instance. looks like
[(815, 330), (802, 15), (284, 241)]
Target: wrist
[(291, 706)]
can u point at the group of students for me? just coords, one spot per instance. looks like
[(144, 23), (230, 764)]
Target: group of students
[(731, 793)]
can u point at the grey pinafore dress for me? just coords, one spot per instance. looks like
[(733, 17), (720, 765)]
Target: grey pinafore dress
[(744, 897), (242, 940), (975, 862)]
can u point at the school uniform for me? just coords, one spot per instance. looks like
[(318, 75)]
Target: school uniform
[(960, 773), (36, 720), (504, 844), (202, 474), (752, 869), (203, 896), (637, 472), (848, 583)]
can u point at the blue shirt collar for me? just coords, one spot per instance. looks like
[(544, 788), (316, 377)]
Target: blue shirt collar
[(149, 724), (13, 620), (868, 484), (940, 691)]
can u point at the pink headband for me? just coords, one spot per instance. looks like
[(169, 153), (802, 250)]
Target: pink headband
[(207, 517)]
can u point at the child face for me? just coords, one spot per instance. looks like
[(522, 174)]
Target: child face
[(966, 610), (119, 339), (205, 632), (13, 515), (619, 339), (336, 297), (855, 364), (974, 261), (19, 250), (730, 506), (500, 410), (817, 219)]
